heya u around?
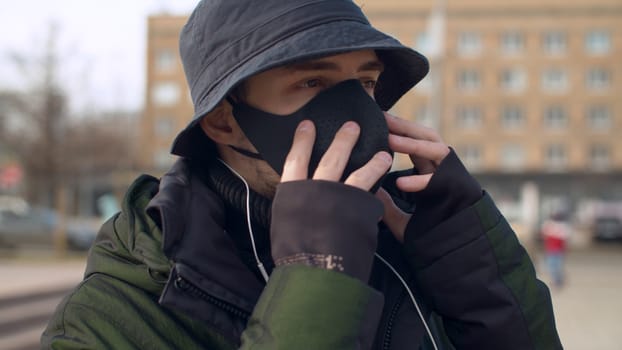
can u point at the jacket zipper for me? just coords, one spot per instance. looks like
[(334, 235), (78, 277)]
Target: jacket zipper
[(386, 344), (189, 287)]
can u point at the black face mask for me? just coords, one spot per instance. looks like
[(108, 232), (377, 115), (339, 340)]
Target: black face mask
[(273, 135)]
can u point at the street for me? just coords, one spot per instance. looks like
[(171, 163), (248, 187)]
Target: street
[(588, 309), (30, 291)]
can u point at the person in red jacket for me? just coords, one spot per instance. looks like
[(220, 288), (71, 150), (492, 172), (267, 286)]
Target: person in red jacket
[(555, 233)]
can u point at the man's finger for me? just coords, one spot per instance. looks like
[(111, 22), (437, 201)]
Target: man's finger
[(393, 216), (334, 161), (366, 176), (296, 165), (434, 151), (413, 183), (411, 129)]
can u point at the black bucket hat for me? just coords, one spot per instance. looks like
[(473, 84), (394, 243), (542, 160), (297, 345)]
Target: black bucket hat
[(227, 41)]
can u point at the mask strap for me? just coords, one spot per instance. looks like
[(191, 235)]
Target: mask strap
[(237, 149), (231, 101), (246, 152)]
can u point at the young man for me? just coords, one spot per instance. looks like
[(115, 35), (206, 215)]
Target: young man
[(272, 231)]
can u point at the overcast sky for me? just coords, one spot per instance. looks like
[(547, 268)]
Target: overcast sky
[(101, 44)]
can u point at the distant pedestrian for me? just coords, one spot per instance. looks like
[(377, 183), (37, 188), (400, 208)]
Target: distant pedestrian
[(555, 232)]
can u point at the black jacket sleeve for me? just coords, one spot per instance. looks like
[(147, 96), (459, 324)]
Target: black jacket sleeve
[(325, 224), (471, 268)]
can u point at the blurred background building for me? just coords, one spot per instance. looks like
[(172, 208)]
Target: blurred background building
[(168, 105), (528, 93)]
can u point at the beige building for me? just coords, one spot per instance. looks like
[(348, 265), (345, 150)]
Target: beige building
[(526, 86), (524, 90), (168, 105)]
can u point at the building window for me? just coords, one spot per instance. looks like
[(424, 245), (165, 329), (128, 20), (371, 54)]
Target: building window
[(554, 43), (424, 116), (512, 157), (599, 157), (597, 42), (469, 118), (556, 157), (163, 159), (597, 79), (164, 127), (166, 93), (512, 118), (554, 80), (426, 85), (512, 43), (555, 118), (599, 118), (422, 41), (468, 80), (165, 60), (469, 44), (513, 80), (471, 155)]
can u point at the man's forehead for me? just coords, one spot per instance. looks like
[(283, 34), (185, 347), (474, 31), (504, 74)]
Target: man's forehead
[(361, 61)]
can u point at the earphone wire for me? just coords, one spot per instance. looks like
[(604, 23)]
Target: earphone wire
[(264, 273), (260, 266), (412, 298)]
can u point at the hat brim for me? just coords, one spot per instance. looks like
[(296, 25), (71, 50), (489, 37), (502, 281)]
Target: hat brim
[(404, 67)]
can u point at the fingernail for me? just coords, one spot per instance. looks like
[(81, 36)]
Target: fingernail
[(351, 126), (385, 157), (304, 125)]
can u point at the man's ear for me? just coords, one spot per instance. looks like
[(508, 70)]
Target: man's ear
[(219, 124)]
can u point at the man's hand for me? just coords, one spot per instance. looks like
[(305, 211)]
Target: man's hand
[(315, 223), (334, 161), (426, 150)]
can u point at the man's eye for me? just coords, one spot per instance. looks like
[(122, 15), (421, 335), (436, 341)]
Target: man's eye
[(369, 84), (312, 83)]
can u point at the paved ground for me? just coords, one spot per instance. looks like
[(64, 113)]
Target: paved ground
[(588, 309), (26, 276), (32, 286)]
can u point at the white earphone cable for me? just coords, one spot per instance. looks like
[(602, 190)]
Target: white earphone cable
[(412, 298), (264, 273), (262, 269)]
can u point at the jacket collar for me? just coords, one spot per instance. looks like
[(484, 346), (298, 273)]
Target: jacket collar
[(192, 218)]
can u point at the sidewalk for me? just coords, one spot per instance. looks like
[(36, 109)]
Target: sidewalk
[(33, 285), (588, 310), (24, 276)]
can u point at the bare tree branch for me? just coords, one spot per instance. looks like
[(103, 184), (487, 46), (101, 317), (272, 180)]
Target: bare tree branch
[(53, 148)]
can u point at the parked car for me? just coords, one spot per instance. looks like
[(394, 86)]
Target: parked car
[(607, 228), (22, 226)]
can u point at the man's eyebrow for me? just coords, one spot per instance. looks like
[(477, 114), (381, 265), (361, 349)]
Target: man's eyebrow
[(374, 65)]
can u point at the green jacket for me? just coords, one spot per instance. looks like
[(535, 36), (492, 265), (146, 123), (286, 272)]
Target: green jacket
[(147, 290)]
